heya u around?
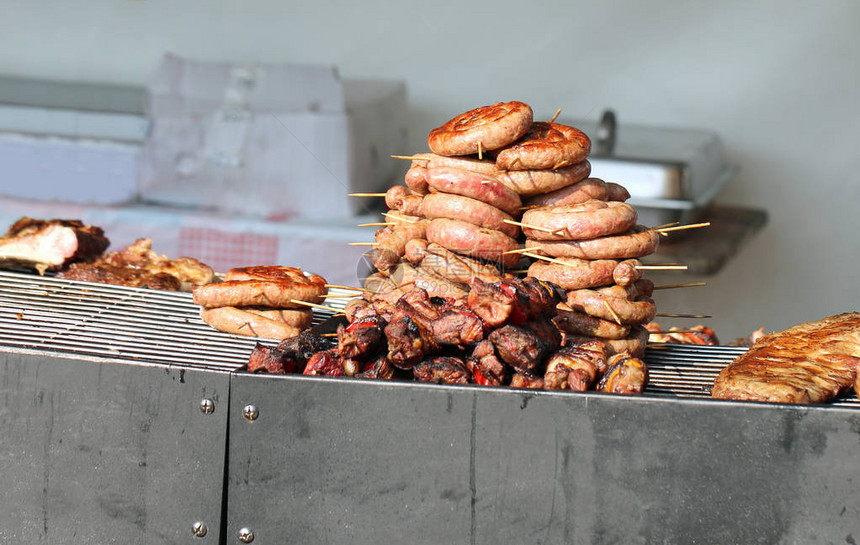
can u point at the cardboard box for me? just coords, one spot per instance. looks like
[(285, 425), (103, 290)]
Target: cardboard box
[(272, 141)]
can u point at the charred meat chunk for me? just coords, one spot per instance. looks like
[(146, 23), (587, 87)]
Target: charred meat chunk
[(457, 327), (520, 348), (493, 303), (485, 366), (360, 337), (624, 375), (575, 367), (328, 363), (529, 382), (408, 343), (378, 368), (442, 370)]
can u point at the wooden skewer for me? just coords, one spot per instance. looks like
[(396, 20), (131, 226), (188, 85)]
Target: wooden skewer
[(480, 151), (555, 116), (314, 305), (363, 243), (339, 295), (676, 331), (519, 251), (328, 334), (690, 285), (529, 207), (519, 271), (404, 285), (365, 194), (376, 224), (551, 260), (682, 227), (345, 287), (544, 229), (398, 218), (661, 267), (658, 227), (410, 157), (612, 311), (684, 315)]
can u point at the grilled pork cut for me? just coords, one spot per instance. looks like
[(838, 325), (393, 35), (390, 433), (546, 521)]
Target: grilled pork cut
[(50, 244), (138, 265), (808, 363)]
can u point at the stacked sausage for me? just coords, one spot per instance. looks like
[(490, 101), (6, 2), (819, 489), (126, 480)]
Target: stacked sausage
[(595, 246), (496, 181), (261, 301)]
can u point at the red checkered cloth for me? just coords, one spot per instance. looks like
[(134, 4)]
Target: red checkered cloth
[(224, 250)]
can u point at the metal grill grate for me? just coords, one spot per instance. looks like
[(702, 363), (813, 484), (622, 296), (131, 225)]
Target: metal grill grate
[(149, 326), (102, 320)]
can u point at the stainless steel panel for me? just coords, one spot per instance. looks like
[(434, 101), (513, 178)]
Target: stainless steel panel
[(337, 461), (105, 452)]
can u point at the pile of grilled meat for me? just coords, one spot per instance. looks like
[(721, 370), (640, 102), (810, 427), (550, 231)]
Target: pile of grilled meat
[(76, 252), (501, 333)]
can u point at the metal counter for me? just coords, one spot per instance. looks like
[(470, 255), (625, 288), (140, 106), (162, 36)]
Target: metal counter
[(125, 419)]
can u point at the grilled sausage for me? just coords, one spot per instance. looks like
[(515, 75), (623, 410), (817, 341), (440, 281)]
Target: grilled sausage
[(576, 273), (250, 324), (447, 264), (579, 192), (627, 272), (616, 192), (401, 198), (391, 242), (523, 182), (640, 288), (265, 286), (457, 207), (416, 179), (470, 240), (474, 185), (596, 304), (534, 182), (545, 145), (488, 128), (638, 242), (587, 220), (578, 323), (634, 343)]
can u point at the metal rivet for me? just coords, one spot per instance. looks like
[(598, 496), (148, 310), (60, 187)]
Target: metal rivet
[(245, 535), (250, 413), (207, 406), (199, 529)]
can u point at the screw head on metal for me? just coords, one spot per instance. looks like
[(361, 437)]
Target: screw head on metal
[(245, 535), (250, 413), (199, 528), (207, 406)]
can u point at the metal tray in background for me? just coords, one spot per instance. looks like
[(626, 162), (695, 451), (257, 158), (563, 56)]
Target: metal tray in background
[(672, 174)]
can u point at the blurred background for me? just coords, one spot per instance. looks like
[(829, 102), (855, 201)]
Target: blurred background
[(776, 81)]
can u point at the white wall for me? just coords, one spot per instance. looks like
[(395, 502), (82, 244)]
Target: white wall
[(778, 80)]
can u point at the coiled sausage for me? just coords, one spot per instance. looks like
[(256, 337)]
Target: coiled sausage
[(488, 128), (587, 220)]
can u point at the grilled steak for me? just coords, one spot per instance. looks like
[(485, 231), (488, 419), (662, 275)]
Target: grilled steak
[(50, 244), (808, 363)]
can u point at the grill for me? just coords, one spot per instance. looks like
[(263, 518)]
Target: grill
[(160, 327), (126, 419)]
